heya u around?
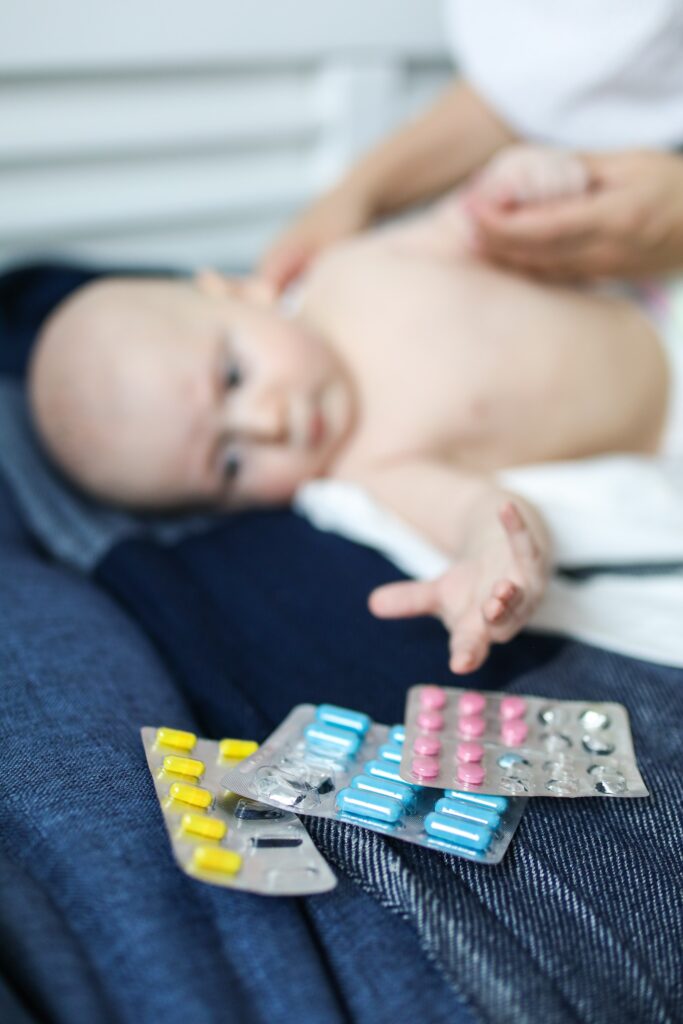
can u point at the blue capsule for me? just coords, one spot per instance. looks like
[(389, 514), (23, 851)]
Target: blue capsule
[(329, 739), (459, 851), (468, 812), (398, 790), (496, 803), (443, 826), (391, 752), (398, 734), (343, 718), (385, 770), (369, 805)]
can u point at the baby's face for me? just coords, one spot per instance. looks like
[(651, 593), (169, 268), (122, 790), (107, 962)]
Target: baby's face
[(188, 393)]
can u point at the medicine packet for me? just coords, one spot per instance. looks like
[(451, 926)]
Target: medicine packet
[(332, 762), (218, 836), (518, 745)]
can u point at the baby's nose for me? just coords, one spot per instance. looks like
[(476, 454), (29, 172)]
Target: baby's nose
[(262, 418)]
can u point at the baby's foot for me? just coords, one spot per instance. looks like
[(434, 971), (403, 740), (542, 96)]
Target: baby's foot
[(520, 175)]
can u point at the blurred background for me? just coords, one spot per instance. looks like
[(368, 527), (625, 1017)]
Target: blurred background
[(184, 134)]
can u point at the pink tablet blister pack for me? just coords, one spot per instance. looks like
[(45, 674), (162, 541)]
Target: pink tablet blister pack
[(502, 743)]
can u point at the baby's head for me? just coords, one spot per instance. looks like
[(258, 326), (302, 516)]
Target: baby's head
[(159, 392)]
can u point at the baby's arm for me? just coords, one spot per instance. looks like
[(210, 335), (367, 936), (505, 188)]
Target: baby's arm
[(499, 546)]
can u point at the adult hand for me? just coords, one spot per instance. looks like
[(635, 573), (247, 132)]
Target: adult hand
[(628, 224), (336, 215)]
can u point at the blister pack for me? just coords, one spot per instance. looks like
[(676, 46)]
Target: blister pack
[(218, 836), (332, 762), (518, 745)]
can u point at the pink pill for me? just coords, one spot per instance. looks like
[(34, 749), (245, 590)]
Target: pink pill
[(430, 720), (429, 745), (471, 703), (470, 752), (432, 698), (512, 707), (471, 725), (514, 732), (471, 773), (425, 767)]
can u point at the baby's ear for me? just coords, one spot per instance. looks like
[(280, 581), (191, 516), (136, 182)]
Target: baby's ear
[(250, 289)]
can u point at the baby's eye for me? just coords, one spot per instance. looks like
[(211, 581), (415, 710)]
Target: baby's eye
[(232, 464), (232, 375)]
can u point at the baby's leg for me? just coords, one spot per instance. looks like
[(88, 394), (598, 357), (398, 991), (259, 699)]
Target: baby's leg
[(523, 174)]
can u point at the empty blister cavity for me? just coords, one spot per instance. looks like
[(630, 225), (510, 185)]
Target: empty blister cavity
[(593, 718), (597, 744), (247, 810), (555, 741), (563, 786)]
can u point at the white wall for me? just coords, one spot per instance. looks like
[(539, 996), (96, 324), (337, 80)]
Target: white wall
[(180, 133)]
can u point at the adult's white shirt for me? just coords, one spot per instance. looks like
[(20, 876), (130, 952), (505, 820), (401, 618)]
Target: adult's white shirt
[(603, 74)]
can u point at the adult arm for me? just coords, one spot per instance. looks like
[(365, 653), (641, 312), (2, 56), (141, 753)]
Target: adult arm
[(455, 136), (629, 223)]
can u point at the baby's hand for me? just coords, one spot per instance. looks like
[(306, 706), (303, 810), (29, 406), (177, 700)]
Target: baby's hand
[(521, 175), (484, 598)]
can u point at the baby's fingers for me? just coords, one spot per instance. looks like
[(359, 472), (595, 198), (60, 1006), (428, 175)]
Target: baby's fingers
[(469, 649), (506, 597), (521, 539), (404, 600)]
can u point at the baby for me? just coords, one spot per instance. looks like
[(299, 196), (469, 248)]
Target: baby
[(405, 365)]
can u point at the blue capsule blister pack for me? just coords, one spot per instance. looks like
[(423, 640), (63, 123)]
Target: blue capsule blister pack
[(332, 762)]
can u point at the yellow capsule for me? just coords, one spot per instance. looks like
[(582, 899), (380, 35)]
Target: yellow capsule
[(207, 828), (237, 749), (212, 858), (194, 795), (176, 738), (189, 766)]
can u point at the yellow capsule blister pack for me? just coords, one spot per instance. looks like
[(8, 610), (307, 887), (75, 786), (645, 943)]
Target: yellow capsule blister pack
[(220, 837)]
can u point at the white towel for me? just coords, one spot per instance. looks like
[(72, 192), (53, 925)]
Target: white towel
[(608, 511)]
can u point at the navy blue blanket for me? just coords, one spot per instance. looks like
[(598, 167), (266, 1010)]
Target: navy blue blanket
[(581, 922)]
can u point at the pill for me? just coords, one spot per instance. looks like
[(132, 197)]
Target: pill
[(176, 738), (446, 846), (398, 734), (496, 803), (384, 770), (471, 774), (188, 766), (194, 795), (386, 787), (343, 718), (514, 732), (471, 725), (331, 738), (469, 752), (468, 811), (370, 805), (212, 858), (207, 828), (471, 703), (425, 767), (432, 698), (390, 752), (446, 826), (429, 745), (237, 749), (430, 720), (512, 707)]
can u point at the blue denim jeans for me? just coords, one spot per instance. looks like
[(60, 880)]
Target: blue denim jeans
[(96, 922)]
